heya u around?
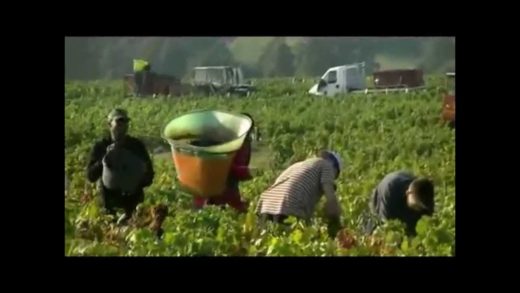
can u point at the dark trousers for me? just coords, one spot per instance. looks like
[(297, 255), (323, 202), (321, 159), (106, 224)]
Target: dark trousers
[(112, 199)]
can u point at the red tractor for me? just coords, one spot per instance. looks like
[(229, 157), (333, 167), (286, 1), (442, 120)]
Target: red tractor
[(156, 84), (448, 103)]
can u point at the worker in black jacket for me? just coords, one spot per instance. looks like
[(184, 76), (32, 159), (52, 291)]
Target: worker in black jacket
[(402, 196), (118, 121)]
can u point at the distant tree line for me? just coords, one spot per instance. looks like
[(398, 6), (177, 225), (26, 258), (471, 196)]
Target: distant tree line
[(111, 57)]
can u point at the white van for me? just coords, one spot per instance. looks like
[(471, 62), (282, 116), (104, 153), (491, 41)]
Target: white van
[(341, 79), (352, 79)]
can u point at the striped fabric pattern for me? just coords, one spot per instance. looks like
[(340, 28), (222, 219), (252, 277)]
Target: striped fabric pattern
[(298, 189)]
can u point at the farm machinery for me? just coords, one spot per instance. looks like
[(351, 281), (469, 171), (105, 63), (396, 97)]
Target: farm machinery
[(154, 85), (220, 80), (204, 80)]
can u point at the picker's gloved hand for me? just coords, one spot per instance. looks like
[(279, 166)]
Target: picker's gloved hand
[(116, 144), (111, 147), (111, 157), (108, 159)]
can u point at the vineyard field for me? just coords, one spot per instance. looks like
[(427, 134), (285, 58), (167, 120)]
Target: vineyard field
[(374, 134)]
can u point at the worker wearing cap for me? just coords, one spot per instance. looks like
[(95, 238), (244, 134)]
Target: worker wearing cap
[(402, 196), (141, 71), (118, 139), (298, 189)]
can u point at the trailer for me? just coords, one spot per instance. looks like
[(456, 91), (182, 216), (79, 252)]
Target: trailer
[(398, 78), (154, 85)]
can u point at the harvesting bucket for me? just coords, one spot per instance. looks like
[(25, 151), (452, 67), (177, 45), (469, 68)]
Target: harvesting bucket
[(204, 144)]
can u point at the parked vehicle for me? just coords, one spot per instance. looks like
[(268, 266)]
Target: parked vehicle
[(352, 79)]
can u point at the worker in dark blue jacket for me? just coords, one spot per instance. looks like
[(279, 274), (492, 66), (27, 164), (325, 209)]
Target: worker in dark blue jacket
[(402, 196)]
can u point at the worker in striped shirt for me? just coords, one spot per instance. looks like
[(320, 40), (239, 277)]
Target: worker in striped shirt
[(298, 189)]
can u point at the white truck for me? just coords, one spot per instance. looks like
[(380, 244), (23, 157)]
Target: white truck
[(352, 79)]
